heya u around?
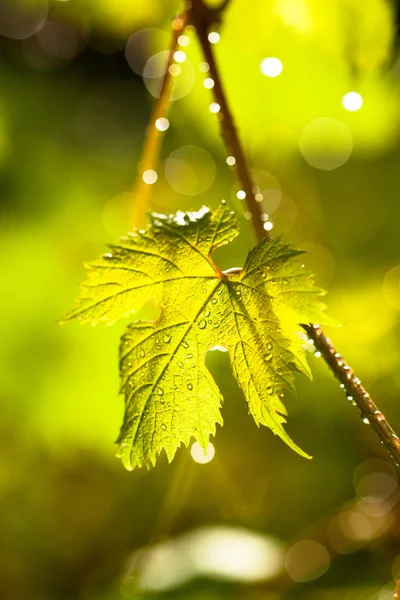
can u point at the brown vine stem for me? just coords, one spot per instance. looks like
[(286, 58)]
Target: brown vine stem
[(351, 384), (153, 140), (228, 129), (356, 393)]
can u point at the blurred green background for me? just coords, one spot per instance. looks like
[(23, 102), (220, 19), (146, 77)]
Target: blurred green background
[(77, 80)]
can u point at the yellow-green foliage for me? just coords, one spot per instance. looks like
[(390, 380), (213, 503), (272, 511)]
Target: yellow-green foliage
[(254, 313)]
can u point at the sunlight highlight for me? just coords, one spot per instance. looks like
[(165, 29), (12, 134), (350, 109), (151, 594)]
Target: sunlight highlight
[(352, 101), (150, 176), (179, 56), (208, 83), (183, 40), (271, 67), (214, 37), (162, 124), (198, 455), (214, 107), (235, 554)]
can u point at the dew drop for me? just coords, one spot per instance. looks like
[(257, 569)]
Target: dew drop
[(268, 357), (164, 427), (185, 344), (269, 346), (142, 353), (214, 300), (202, 324), (365, 420), (189, 386), (167, 339), (180, 364), (207, 313), (160, 392), (189, 355)]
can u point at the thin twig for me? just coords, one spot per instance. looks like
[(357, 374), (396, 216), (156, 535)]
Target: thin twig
[(356, 393), (228, 129), (153, 140), (340, 369)]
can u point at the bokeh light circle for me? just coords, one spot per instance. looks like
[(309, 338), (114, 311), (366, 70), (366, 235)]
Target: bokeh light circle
[(142, 45), (154, 71), (352, 101), (60, 39), (190, 170), (307, 560), (320, 260), (20, 19), (200, 456), (326, 143), (391, 287), (269, 188), (117, 213), (271, 67)]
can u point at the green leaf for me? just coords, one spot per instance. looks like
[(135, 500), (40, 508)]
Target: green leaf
[(254, 313)]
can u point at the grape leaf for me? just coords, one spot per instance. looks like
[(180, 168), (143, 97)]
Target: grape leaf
[(254, 313)]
